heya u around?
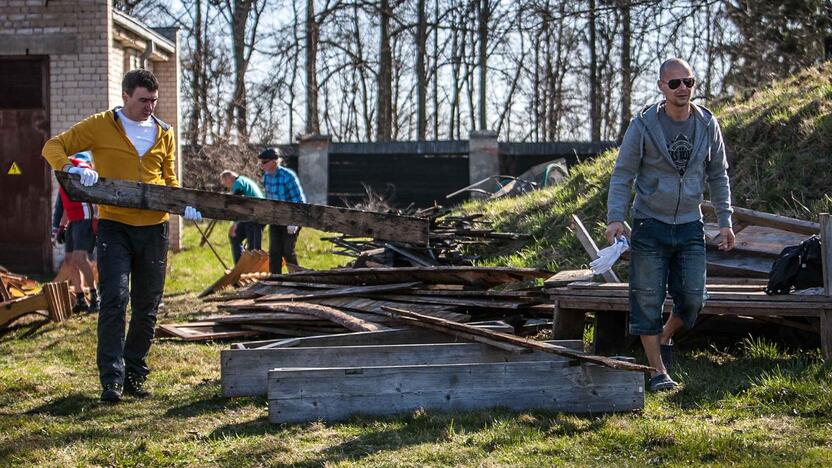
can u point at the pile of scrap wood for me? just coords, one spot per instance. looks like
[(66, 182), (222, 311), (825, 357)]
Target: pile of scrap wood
[(429, 364), (21, 296), (353, 299), (760, 237), (449, 235)]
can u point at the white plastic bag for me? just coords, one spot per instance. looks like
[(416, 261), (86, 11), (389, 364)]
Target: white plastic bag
[(609, 255)]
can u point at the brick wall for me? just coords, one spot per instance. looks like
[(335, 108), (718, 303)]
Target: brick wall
[(84, 59)]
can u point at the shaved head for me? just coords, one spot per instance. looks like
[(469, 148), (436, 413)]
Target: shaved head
[(671, 64)]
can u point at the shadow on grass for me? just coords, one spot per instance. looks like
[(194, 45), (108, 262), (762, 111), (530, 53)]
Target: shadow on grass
[(75, 404), (489, 429), (212, 404)]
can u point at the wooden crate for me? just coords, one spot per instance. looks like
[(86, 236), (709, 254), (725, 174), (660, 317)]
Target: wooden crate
[(336, 393)]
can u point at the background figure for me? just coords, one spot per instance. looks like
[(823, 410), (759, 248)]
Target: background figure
[(243, 231), (78, 223), (281, 184)]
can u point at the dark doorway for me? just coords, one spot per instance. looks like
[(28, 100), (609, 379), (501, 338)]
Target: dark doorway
[(25, 188)]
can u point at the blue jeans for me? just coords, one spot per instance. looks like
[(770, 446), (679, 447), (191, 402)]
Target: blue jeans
[(665, 258)]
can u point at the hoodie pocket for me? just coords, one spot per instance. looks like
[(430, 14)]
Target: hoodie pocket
[(691, 194)]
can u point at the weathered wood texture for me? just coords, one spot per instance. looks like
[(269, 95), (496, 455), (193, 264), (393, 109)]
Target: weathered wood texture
[(331, 394), (414, 319), (245, 372), (213, 205), (590, 247), (826, 252), (478, 276), (730, 300), (54, 300), (251, 261), (759, 218)]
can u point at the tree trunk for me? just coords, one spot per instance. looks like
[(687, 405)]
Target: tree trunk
[(196, 78), (485, 12), (313, 126), (239, 18), (421, 72), (594, 108), (385, 75), (626, 68)]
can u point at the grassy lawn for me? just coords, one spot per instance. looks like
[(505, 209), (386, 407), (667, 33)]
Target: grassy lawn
[(745, 403)]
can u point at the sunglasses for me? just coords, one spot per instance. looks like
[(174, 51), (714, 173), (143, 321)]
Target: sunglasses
[(675, 83)]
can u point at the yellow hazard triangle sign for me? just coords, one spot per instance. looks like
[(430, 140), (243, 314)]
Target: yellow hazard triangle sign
[(15, 169)]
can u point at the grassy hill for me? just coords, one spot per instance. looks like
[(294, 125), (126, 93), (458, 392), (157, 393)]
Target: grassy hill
[(779, 139)]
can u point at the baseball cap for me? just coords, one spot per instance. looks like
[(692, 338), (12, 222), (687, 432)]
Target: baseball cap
[(268, 153)]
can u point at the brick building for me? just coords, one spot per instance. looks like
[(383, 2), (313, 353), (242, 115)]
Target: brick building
[(61, 61)]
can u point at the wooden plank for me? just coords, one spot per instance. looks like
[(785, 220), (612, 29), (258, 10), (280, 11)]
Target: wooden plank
[(331, 394), (719, 262), (16, 308), (449, 327), (5, 295), (760, 218), (567, 324), (760, 240), (477, 276), (215, 205), (201, 331), (245, 372), (353, 291), (710, 309), (454, 301), (826, 335), (383, 337), (590, 247), (250, 261), (826, 252), (327, 313), (565, 277)]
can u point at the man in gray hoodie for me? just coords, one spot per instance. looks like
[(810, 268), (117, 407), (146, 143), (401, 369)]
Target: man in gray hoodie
[(671, 150)]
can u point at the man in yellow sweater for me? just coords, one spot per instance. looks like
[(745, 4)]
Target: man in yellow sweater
[(128, 143)]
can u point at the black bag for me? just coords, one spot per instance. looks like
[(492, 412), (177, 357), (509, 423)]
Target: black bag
[(797, 267)]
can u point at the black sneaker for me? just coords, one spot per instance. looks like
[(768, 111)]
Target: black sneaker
[(81, 305), (111, 393), (95, 302), (134, 386)]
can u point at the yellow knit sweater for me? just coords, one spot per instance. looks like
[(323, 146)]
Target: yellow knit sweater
[(116, 158)]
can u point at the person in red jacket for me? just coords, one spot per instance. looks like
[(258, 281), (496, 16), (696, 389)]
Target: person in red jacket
[(80, 223)]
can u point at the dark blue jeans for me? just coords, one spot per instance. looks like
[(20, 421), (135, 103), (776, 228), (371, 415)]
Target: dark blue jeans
[(665, 258), (251, 233), (131, 265)]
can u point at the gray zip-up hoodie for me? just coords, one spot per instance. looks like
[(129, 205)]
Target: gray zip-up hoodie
[(661, 193)]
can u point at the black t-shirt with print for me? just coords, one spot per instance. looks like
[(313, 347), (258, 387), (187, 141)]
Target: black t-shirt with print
[(679, 139)]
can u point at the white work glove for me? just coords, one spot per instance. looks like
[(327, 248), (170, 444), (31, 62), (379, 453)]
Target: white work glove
[(192, 214), (292, 230), (609, 255), (88, 176)]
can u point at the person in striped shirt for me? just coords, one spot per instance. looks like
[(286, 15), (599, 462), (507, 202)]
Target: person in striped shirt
[(281, 183)]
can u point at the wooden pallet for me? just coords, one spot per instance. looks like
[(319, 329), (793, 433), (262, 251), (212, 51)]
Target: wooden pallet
[(53, 301)]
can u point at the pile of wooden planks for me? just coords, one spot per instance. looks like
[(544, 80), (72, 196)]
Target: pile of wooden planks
[(449, 236), (21, 296), (394, 371), (312, 303), (760, 237)]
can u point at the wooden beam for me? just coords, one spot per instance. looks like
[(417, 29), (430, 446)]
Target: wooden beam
[(330, 394), (591, 248), (476, 276), (449, 327), (244, 372), (340, 292), (130, 194), (826, 252), (759, 218)]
